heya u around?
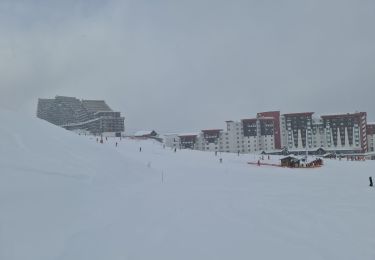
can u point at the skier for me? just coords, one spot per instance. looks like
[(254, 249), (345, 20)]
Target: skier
[(258, 162), (116, 144), (221, 160), (140, 149), (175, 149)]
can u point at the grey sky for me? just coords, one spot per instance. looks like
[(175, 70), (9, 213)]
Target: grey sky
[(189, 65)]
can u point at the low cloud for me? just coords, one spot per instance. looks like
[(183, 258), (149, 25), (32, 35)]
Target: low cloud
[(181, 66)]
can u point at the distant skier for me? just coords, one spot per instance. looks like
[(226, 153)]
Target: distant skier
[(116, 144), (140, 149), (215, 153), (175, 149), (258, 162), (221, 160)]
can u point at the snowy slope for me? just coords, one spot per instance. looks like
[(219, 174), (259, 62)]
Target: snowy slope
[(64, 196)]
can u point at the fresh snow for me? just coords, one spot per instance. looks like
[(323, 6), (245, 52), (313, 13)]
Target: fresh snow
[(64, 196)]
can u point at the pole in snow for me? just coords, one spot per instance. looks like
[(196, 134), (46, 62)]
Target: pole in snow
[(371, 183)]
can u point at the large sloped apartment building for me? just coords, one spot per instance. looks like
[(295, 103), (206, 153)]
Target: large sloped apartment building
[(91, 116), (294, 132)]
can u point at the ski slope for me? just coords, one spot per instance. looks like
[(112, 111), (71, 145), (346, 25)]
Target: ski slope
[(64, 196)]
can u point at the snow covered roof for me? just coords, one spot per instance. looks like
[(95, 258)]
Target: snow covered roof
[(188, 134), (342, 115), (266, 118), (170, 134), (299, 114), (212, 130), (291, 157), (143, 133)]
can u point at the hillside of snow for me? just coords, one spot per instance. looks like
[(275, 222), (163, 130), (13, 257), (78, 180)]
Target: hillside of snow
[(64, 196)]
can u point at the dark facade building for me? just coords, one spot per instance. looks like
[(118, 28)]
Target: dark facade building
[(250, 127), (371, 137), (188, 141), (276, 123), (93, 116), (371, 129), (348, 129), (298, 127), (267, 126), (212, 135)]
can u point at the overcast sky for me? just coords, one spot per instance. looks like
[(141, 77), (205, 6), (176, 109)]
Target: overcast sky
[(178, 66)]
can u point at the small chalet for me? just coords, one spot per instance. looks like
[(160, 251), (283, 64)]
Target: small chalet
[(320, 151), (329, 156), (294, 162), (290, 161)]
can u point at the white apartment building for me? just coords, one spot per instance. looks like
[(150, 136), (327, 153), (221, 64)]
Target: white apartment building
[(210, 140), (246, 136), (171, 140)]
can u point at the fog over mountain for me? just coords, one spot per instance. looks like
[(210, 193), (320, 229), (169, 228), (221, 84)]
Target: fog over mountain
[(188, 65)]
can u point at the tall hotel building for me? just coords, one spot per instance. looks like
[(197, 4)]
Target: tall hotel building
[(91, 116), (342, 133), (297, 130)]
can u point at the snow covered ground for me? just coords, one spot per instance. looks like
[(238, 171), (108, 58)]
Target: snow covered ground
[(64, 196)]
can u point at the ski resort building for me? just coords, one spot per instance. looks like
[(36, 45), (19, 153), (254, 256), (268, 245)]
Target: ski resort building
[(272, 132), (181, 141), (188, 141), (92, 116), (275, 115), (210, 140), (339, 133), (297, 130), (371, 137), (346, 133), (245, 136), (171, 140)]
